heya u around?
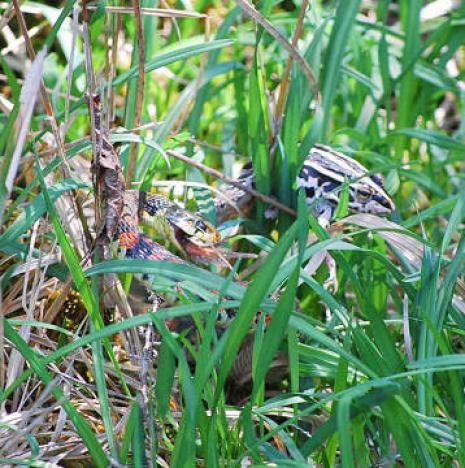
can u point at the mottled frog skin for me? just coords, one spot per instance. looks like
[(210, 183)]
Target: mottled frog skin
[(322, 176)]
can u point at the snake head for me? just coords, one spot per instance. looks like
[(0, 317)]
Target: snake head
[(193, 227), (180, 226)]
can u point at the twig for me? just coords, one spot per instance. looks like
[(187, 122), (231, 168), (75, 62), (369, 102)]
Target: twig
[(140, 89), (228, 180), (216, 148), (91, 91), (259, 18), (282, 98)]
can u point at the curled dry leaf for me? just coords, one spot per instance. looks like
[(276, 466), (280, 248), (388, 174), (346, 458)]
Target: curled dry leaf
[(109, 177), (389, 231), (411, 248)]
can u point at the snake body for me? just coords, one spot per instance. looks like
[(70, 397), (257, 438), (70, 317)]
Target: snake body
[(324, 174), (132, 240)]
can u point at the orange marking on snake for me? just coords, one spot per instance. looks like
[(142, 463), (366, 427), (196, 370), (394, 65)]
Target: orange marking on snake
[(127, 240)]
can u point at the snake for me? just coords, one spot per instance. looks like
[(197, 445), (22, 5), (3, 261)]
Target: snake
[(324, 175)]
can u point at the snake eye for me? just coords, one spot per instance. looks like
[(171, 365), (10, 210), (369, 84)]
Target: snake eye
[(200, 225)]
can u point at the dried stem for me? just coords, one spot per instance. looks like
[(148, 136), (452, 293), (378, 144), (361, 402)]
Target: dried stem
[(259, 18), (91, 91), (287, 72), (228, 180), (114, 61), (140, 89)]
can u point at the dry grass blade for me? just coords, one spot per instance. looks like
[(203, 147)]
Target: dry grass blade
[(45, 100), (411, 248), (27, 101), (160, 12)]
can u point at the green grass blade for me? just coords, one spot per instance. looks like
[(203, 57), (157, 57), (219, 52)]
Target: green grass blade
[(343, 24), (250, 303)]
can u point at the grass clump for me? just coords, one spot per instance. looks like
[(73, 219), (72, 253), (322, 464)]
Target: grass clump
[(366, 374)]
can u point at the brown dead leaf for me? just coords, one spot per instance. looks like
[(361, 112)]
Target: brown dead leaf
[(109, 179)]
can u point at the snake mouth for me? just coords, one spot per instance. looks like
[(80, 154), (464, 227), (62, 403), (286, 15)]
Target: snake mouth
[(195, 248), (202, 253)]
